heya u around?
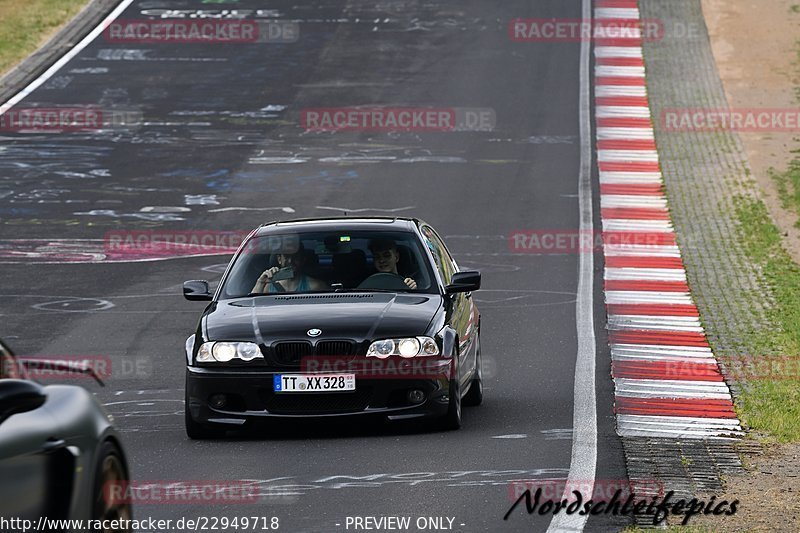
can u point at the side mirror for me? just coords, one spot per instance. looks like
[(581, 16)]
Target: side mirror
[(464, 282), (196, 290), (19, 396)]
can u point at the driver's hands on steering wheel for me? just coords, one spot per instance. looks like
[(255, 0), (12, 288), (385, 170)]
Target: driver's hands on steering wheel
[(410, 282)]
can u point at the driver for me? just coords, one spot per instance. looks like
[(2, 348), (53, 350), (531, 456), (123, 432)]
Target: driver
[(299, 282), (385, 258)]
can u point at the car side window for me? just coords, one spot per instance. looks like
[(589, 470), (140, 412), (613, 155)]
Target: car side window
[(444, 263)]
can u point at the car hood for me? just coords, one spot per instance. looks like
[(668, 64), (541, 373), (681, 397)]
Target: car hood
[(357, 316)]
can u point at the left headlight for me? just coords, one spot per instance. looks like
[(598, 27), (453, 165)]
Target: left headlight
[(222, 352), (404, 347)]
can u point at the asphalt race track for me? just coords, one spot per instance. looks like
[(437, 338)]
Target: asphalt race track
[(221, 148)]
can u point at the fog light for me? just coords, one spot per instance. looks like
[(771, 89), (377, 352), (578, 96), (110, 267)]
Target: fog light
[(416, 396), (218, 401)]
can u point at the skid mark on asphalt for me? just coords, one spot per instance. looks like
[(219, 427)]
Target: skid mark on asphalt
[(557, 434), (299, 486), (80, 304), (146, 410), (225, 209), (66, 304), (93, 251), (531, 298)]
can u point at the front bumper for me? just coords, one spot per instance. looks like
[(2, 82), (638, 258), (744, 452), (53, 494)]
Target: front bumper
[(249, 396)]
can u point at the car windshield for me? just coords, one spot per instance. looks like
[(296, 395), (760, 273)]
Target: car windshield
[(323, 261)]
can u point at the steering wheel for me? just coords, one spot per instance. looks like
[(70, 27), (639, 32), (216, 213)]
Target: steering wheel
[(384, 280)]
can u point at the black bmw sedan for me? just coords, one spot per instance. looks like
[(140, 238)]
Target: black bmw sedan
[(335, 317)]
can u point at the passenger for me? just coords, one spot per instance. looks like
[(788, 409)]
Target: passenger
[(299, 282), (385, 258)]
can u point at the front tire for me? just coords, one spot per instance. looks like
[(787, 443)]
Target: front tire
[(474, 395), (452, 420), (111, 473)]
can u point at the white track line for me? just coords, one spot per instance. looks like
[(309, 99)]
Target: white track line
[(645, 274), (605, 133), (666, 327), (614, 71), (642, 249), (624, 224), (649, 178), (618, 51), (646, 321), (622, 200), (629, 13), (583, 461), (620, 90), (648, 297), (667, 388), (672, 351), (678, 427), (665, 358), (627, 155), (622, 111)]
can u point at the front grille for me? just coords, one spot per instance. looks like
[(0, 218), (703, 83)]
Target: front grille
[(335, 348), (316, 403), (290, 353)]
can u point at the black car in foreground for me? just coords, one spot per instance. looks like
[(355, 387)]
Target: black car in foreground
[(335, 317), (59, 455)]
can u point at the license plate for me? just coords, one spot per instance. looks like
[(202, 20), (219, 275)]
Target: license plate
[(314, 382)]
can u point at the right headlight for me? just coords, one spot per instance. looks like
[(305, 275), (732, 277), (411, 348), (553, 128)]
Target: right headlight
[(404, 347), (222, 352)]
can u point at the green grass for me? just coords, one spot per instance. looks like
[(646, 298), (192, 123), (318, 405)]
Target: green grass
[(27, 24), (772, 407), (788, 184)]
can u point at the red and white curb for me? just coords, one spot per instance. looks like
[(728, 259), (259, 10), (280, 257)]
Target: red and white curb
[(667, 381)]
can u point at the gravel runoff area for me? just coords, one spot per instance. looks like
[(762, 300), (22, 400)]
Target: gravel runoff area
[(704, 174)]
